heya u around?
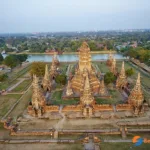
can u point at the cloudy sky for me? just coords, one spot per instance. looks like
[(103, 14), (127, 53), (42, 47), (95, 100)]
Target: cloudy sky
[(73, 15)]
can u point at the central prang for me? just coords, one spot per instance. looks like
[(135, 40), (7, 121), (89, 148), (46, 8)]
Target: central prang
[(83, 70)]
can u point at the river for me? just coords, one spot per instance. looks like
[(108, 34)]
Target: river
[(68, 57)]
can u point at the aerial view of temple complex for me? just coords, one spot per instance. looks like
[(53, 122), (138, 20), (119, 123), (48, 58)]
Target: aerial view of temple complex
[(87, 105)]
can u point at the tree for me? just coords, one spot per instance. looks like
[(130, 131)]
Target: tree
[(1, 58), (21, 57), (11, 61), (37, 68), (14, 60), (129, 72), (3, 77), (61, 79), (109, 78)]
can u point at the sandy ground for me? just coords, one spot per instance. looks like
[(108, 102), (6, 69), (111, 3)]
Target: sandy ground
[(41, 147), (88, 123)]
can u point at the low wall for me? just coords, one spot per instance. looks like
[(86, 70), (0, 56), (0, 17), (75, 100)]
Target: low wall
[(123, 107)]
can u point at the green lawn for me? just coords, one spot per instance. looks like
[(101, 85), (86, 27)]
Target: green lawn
[(102, 66), (115, 99), (6, 84), (19, 72), (22, 105), (63, 67), (6, 101), (1, 125), (13, 76), (22, 86), (57, 100)]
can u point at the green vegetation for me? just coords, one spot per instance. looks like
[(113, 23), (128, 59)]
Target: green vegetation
[(1, 58), (139, 53), (37, 68), (6, 101), (102, 66), (129, 72), (22, 105), (13, 76), (61, 79), (14, 60), (63, 67), (3, 77), (1, 126), (11, 61), (22, 86), (57, 100), (4, 85), (116, 98), (109, 78)]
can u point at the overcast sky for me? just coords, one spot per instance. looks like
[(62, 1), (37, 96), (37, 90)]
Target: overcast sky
[(73, 15)]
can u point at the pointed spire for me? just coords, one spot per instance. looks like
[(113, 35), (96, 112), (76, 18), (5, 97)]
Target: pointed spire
[(138, 84), (38, 99), (53, 69), (46, 76), (105, 48), (102, 90), (110, 56), (84, 47), (110, 59), (121, 80), (84, 57), (122, 72), (35, 82), (55, 59), (87, 97), (113, 66), (136, 96), (46, 84), (69, 91)]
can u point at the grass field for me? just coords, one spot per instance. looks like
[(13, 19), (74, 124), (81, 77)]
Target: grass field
[(22, 86), (6, 101), (13, 76), (57, 100), (116, 98), (6, 84), (102, 66), (22, 105)]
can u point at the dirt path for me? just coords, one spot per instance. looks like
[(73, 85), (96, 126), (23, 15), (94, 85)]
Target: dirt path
[(61, 122), (15, 85)]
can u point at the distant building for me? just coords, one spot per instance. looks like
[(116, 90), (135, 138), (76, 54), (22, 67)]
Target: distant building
[(134, 44), (53, 51)]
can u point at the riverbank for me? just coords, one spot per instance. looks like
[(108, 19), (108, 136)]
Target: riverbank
[(64, 53)]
